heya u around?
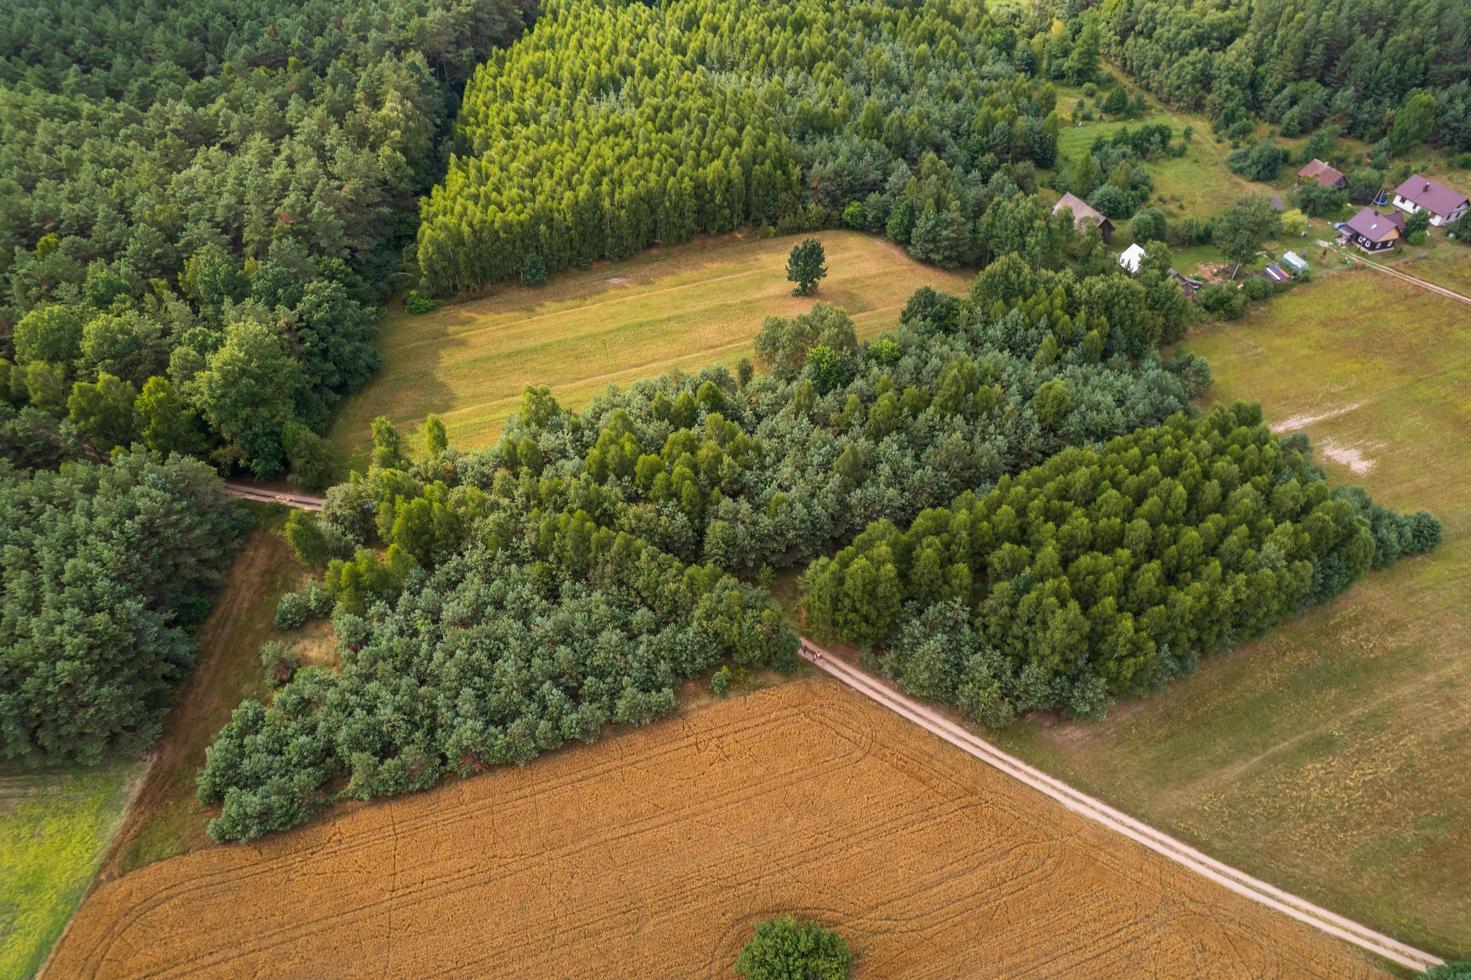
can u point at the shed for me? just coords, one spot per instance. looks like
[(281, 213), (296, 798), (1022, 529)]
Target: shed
[(1130, 257), (1276, 273), (1295, 262)]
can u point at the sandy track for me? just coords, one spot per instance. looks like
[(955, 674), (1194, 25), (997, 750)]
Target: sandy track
[(300, 501), (1100, 812), (655, 852)]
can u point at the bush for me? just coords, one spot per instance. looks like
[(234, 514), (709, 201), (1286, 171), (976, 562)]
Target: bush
[(1224, 300), (720, 682), (280, 661), (295, 609), (417, 303), (1256, 289), (1149, 226), (1262, 161), (855, 216), (788, 949)]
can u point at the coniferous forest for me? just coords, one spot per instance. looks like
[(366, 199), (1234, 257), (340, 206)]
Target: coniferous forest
[(614, 126), (1391, 70), (1010, 497)]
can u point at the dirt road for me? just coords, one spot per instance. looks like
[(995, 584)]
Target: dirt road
[(1413, 280), (1096, 810), (300, 501)]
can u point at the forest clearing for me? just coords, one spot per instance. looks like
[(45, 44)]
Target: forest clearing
[(685, 306), (657, 851), (1316, 756)]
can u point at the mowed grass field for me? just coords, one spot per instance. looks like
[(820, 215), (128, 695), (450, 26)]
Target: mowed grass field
[(656, 852), (1333, 755), (686, 307), (54, 828)]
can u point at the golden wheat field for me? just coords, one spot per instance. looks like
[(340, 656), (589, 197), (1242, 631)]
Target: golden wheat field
[(655, 853)]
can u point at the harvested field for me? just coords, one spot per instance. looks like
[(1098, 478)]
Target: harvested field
[(654, 853)]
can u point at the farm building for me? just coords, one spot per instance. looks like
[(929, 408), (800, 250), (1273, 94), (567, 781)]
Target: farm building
[(1295, 262), (1372, 231), (1324, 174), (1420, 193), (1083, 214), (1130, 257), (1187, 285)]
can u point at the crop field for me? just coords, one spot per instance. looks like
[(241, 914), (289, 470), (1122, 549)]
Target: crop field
[(681, 307), (655, 853), (1330, 756), (54, 828)]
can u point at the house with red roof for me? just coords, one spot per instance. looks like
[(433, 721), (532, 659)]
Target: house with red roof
[(1321, 172), (1420, 193)]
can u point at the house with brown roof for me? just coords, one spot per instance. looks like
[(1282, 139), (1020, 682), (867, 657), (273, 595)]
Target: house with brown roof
[(1324, 174), (1372, 231), (1420, 193), (1083, 214)]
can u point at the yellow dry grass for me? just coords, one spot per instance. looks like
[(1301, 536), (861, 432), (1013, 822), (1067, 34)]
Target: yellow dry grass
[(682, 307), (655, 853)]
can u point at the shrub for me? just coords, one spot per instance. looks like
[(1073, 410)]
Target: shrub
[(280, 661), (720, 682), (1224, 300), (417, 303)]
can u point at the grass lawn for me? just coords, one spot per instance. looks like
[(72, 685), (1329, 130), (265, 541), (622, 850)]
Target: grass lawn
[(1438, 260), (54, 828), (167, 819), (1330, 756), (686, 307)]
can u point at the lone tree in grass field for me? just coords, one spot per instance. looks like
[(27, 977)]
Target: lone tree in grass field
[(805, 266)]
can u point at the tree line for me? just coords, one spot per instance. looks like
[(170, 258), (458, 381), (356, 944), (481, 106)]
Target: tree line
[(1105, 572)]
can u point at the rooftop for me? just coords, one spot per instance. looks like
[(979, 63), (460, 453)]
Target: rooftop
[(1426, 193), (1374, 226)]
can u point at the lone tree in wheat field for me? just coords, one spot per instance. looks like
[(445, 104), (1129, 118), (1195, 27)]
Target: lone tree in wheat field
[(805, 266)]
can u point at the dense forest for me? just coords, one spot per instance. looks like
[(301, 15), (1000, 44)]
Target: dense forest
[(103, 571), (613, 126), (1106, 572), (202, 207), (1384, 69), (491, 606)]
